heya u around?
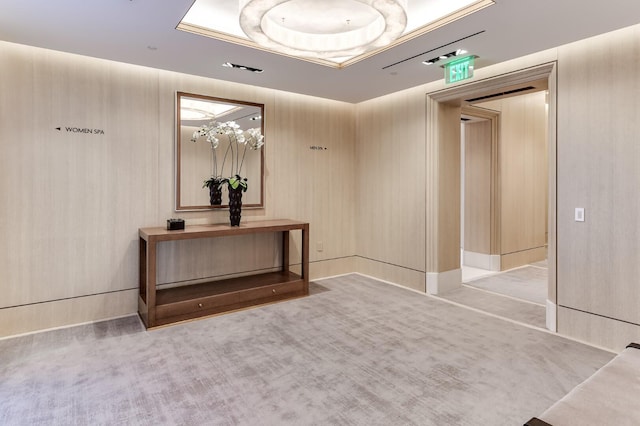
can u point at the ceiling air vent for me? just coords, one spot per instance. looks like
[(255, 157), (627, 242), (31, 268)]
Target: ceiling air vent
[(495, 95), (431, 50)]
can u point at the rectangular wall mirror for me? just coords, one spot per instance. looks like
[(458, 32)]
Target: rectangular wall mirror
[(229, 145)]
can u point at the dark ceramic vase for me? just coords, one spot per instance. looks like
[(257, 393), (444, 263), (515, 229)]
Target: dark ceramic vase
[(235, 205), (215, 195)]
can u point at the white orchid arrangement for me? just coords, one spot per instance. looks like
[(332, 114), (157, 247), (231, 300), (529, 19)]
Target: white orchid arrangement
[(251, 139)]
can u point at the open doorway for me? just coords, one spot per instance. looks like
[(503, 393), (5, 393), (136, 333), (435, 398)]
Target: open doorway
[(516, 265), (502, 250), (478, 140)]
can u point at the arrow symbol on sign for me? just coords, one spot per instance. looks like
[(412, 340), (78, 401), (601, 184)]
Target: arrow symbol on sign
[(57, 128)]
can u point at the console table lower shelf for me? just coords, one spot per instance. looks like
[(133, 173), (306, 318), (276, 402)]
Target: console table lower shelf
[(162, 306), (192, 301)]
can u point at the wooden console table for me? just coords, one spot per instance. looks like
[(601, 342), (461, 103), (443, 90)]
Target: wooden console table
[(164, 306)]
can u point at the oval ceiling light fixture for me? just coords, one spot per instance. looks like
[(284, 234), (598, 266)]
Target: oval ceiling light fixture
[(326, 29)]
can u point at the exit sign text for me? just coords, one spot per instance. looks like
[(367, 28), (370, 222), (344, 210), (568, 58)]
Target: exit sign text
[(459, 69)]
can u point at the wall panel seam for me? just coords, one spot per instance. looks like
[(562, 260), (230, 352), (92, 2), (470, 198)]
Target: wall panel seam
[(68, 298), (391, 264), (599, 315)]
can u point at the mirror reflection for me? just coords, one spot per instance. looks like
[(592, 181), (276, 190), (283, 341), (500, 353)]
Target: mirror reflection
[(217, 141)]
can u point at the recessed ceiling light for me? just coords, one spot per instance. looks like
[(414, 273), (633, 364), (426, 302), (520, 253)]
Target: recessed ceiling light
[(242, 67), (445, 56)]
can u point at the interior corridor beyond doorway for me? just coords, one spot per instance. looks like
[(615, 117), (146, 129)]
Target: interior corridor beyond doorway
[(515, 266)]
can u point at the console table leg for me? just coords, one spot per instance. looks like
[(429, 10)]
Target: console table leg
[(151, 283), (285, 251), (143, 310), (305, 257)]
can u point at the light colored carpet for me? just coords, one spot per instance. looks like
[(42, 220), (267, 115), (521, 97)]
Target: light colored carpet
[(355, 352), (469, 273), (541, 264), (609, 397), (516, 310), (527, 283)]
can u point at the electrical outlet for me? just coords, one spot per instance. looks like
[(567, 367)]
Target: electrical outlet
[(579, 215)]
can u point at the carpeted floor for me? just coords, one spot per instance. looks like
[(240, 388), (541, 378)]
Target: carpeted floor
[(496, 304), (541, 263), (527, 283), (355, 352)]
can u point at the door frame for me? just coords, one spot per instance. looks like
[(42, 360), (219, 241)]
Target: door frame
[(443, 107)]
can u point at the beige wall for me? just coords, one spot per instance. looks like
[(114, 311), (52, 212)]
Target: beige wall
[(72, 202), (390, 198), (523, 178), (599, 170), (477, 187)]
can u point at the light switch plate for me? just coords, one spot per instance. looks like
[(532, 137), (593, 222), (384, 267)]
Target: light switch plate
[(579, 214)]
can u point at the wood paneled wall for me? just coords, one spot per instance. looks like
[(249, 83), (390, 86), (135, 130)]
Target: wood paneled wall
[(599, 170), (315, 185), (390, 179), (477, 187), (72, 201), (523, 178), (447, 164)]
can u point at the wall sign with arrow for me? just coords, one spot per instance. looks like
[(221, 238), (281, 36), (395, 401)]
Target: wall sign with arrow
[(80, 130)]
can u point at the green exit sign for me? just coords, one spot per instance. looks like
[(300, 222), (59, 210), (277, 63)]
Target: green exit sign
[(459, 69)]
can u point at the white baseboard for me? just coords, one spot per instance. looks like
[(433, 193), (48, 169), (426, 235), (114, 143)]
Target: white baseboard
[(490, 262), (552, 322), (442, 282)]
